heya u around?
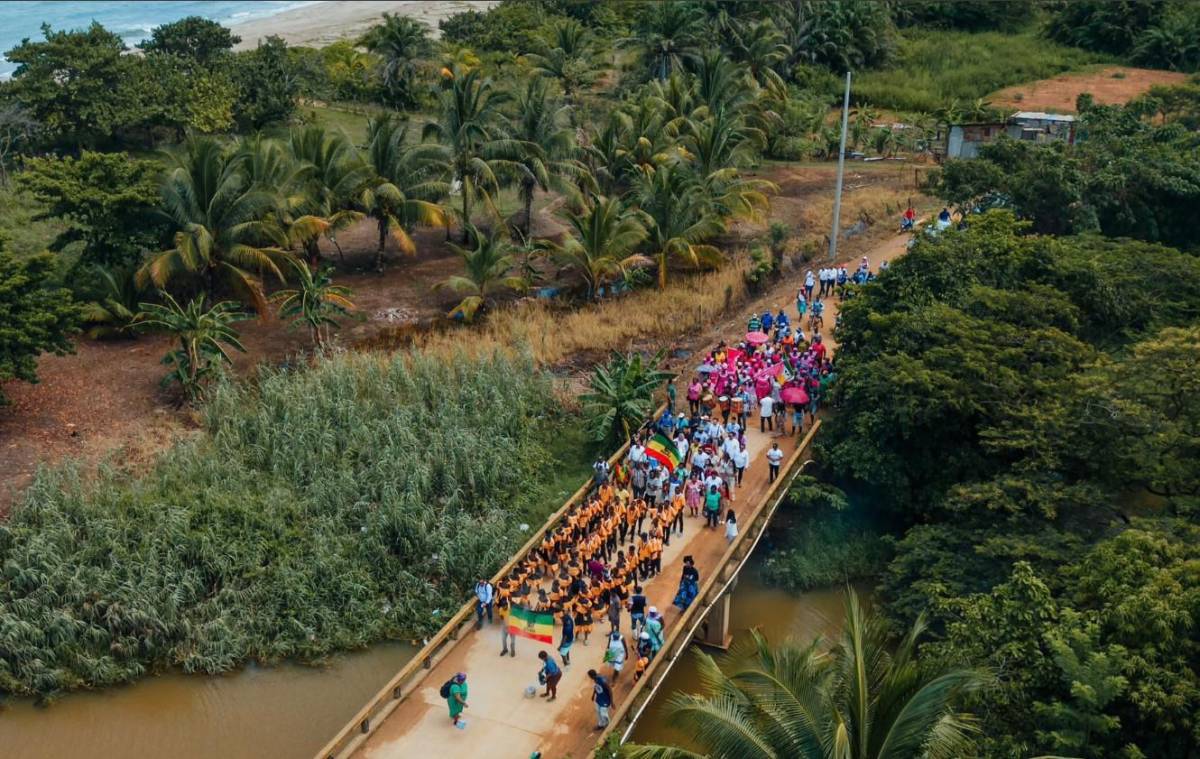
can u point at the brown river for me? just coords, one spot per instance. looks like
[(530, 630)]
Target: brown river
[(289, 712)]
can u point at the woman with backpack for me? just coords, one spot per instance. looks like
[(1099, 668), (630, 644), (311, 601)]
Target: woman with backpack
[(454, 691)]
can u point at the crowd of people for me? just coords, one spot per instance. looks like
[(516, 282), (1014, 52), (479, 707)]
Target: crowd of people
[(689, 462)]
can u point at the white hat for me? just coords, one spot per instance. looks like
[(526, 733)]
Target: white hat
[(653, 609)]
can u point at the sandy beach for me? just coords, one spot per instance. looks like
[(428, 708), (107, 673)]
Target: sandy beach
[(326, 22)]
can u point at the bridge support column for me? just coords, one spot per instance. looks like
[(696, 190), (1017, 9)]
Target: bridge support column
[(717, 630)]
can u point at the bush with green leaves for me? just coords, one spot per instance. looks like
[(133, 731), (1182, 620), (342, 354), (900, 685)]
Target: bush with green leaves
[(621, 395), (322, 510), (35, 317)]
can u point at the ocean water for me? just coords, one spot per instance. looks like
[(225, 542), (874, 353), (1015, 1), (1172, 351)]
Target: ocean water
[(131, 20)]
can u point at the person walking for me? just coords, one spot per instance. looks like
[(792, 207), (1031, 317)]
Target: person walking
[(456, 699), (550, 674), (731, 526), (810, 282), (568, 637), (654, 626), (766, 414), (617, 653), (508, 639), (741, 460), (485, 596), (774, 459), (712, 506), (602, 697), (637, 608)]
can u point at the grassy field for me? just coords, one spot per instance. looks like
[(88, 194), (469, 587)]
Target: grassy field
[(935, 68)]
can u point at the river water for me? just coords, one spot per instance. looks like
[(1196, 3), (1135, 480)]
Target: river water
[(777, 614), (290, 711), (280, 712)]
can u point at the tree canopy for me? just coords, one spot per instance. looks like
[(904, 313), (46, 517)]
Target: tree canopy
[(35, 317)]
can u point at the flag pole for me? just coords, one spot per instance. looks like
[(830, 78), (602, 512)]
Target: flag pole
[(837, 198)]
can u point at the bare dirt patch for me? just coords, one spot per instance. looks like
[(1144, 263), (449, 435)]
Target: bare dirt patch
[(1111, 85)]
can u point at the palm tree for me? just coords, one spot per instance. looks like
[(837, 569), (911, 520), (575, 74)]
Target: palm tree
[(720, 83), (315, 301), (862, 700), (223, 233), (567, 56), (668, 34), (401, 42), (761, 47), (488, 267), (471, 130), (203, 335), (678, 220), (621, 395), (548, 148), (602, 242), (116, 313), (331, 176), (407, 180)]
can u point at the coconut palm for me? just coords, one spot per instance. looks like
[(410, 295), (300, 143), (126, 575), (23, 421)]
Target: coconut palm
[(862, 700), (720, 83), (621, 395), (667, 34), (332, 176), (406, 183), (315, 302), (603, 238), (472, 132), (203, 334), (401, 41), (678, 220), (488, 272), (223, 234), (548, 148), (760, 46), (567, 56), (116, 313)]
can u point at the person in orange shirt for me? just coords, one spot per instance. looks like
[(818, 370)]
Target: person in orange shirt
[(639, 668)]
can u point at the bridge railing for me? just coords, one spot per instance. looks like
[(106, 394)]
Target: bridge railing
[(679, 639), (405, 682)]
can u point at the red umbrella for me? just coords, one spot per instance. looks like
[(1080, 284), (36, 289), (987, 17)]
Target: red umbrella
[(794, 395), (756, 338)]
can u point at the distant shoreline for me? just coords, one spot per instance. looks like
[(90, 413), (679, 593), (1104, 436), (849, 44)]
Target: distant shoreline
[(327, 22)]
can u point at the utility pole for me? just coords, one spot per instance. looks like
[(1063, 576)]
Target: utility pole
[(837, 198)]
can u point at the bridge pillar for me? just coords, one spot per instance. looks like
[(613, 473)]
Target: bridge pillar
[(717, 629)]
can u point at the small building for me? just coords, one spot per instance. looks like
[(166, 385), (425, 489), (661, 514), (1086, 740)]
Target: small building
[(1042, 127), (964, 140)]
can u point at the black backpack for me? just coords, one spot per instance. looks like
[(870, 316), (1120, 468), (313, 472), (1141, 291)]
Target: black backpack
[(445, 691)]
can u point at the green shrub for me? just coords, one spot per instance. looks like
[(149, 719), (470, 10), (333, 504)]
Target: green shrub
[(323, 510), (935, 68)]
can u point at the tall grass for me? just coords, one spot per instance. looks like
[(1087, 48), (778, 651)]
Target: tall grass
[(935, 68), (552, 334), (325, 509)]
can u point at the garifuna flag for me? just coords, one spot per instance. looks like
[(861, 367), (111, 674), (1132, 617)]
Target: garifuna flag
[(537, 625), (661, 449)]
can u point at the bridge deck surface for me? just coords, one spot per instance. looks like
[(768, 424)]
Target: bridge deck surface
[(502, 723)]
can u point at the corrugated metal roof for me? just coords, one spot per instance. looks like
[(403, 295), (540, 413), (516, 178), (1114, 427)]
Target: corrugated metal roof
[(1040, 116)]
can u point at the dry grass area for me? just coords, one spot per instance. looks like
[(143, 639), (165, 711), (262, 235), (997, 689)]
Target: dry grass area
[(1110, 85), (554, 333)]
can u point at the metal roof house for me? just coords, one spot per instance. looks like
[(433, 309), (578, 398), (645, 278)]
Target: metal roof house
[(964, 140)]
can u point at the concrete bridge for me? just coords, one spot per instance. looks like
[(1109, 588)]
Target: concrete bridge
[(407, 718)]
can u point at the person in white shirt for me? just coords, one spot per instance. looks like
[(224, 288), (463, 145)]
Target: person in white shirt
[(699, 460), (774, 458), (681, 445), (809, 282), (766, 414), (741, 460), (637, 452), (730, 446)]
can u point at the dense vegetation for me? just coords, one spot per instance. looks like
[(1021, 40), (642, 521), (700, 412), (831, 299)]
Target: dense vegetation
[(1017, 413), (323, 510), (1064, 189), (1029, 406)]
